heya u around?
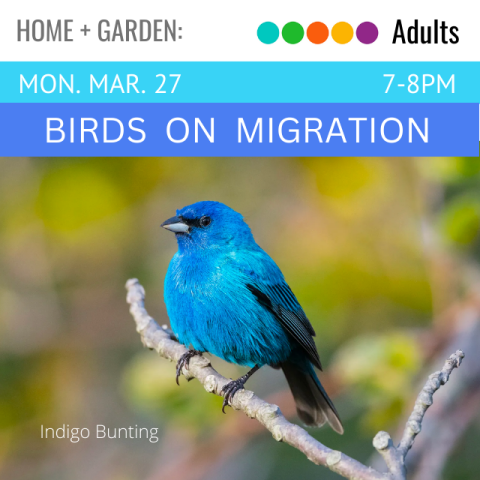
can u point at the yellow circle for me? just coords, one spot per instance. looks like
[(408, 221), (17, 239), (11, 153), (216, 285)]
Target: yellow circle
[(342, 32)]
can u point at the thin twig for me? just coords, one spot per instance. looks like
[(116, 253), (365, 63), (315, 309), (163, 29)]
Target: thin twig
[(433, 459), (425, 399), (269, 415), (395, 456)]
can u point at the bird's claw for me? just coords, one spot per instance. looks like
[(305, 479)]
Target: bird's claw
[(229, 391), (184, 361)]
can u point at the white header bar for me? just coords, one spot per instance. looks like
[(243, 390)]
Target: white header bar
[(215, 30)]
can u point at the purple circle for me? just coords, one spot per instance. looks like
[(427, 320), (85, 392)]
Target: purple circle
[(367, 32)]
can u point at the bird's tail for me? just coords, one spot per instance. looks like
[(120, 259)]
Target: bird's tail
[(314, 406)]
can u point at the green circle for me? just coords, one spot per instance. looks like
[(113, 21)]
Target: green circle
[(268, 33), (293, 32)]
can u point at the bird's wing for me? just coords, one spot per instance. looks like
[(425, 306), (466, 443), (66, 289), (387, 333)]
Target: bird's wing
[(271, 290)]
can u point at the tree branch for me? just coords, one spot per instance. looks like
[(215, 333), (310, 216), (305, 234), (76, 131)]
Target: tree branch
[(425, 399), (434, 458), (162, 340)]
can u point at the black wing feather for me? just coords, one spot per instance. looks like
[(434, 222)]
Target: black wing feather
[(281, 301)]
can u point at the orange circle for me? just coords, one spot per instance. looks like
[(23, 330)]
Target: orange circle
[(317, 33), (342, 32)]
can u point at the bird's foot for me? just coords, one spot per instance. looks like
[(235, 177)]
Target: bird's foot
[(229, 391), (184, 361), (231, 388)]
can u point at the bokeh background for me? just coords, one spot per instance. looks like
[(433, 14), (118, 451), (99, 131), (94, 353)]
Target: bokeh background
[(382, 254)]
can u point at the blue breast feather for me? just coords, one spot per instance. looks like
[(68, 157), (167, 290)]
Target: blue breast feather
[(214, 305)]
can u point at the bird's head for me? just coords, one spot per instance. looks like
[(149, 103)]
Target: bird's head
[(208, 225)]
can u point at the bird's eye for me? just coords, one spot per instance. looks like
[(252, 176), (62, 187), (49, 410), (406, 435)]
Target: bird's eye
[(205, 221)]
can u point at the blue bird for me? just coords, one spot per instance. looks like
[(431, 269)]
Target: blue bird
[(226, 296)]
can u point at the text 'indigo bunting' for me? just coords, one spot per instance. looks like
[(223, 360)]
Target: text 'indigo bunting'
[(226, 296)]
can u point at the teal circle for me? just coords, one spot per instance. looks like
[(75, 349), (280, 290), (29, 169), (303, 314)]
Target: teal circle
[(268, 33), (293, 33)]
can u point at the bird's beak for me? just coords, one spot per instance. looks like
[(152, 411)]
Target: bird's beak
[(175, 224)]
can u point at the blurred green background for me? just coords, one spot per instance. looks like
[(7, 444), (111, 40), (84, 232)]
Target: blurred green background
[(375, 249)]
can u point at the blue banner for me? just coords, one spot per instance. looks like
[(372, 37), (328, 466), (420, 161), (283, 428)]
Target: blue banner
[(263, 129), (237, 82)]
